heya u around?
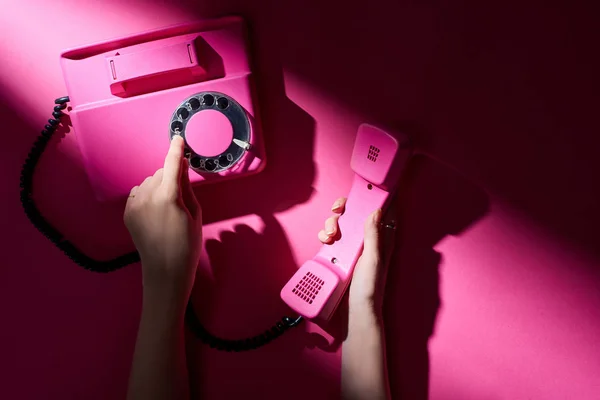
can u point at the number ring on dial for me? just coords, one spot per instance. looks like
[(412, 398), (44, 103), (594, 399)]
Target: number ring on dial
[(229, 108)]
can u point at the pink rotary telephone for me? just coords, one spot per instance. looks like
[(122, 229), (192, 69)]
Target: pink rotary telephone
[(131, 95), (315, 290)]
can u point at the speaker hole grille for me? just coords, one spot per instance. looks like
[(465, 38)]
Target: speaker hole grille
[(373, 153), (308, 288)]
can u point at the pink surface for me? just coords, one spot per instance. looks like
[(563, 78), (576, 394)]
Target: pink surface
[(494, 293), (209, 133)]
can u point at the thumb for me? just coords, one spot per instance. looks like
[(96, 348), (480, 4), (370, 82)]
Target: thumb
[(371, 251)]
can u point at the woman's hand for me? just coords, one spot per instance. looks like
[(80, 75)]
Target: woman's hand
[(364, 369), (165, 222), (368, 281)]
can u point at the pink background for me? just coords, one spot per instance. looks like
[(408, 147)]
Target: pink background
[(494, 293)]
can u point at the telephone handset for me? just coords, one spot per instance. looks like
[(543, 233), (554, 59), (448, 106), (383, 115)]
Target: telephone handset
[(315, 290)]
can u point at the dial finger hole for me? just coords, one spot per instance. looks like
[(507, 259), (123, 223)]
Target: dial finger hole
[(194, 103), (209, 100), (177, 126), (222, 103), (183, 113), (210, 165), (195, 162), (224, 161)]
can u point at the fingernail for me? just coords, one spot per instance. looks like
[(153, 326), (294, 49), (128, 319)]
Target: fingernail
[(336, 205), (329, 230)]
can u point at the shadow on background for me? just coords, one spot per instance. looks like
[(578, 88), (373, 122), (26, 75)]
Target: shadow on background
[(61, 308), (239, 291), (504, 91), (289, 135), (434, 201), (241, 299)]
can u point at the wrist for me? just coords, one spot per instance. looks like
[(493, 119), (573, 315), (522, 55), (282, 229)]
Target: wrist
[(363, 315), (163, 307), (165, 297), (167, 282)]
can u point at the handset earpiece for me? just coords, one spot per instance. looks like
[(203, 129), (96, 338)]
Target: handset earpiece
[(378, 159)]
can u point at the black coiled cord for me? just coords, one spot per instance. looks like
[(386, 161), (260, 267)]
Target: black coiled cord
[(241, 344), (34, 214), (93, 265)]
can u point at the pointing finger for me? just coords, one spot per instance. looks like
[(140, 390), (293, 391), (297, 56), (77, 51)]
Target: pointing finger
[(172, 168), (189, 198)]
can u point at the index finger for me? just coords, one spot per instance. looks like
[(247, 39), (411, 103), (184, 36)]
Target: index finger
[(172, 167)]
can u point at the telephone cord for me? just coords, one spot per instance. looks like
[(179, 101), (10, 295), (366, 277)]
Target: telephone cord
[(83, 260)]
